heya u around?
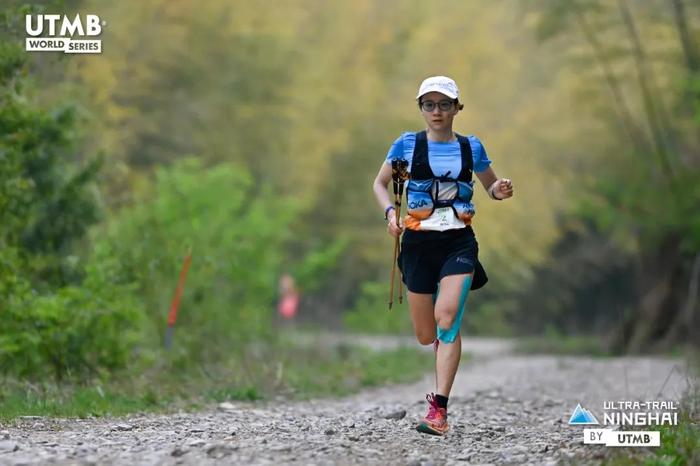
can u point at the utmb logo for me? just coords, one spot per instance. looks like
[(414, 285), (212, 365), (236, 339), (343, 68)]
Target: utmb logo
[(62, 26)]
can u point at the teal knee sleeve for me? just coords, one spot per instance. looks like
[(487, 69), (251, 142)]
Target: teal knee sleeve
[(449, 336)]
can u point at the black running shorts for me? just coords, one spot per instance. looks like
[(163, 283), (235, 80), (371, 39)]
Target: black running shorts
[(428, 256)]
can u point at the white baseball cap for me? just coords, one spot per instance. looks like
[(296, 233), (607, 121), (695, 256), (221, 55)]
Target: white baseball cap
[(441, 84)]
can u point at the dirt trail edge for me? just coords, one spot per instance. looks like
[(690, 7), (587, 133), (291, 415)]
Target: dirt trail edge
[(504, 409)]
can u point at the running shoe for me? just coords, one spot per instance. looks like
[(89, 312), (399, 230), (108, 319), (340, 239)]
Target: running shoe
[(435, 422)]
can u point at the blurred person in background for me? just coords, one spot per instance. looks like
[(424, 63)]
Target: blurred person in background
[(288, 303)]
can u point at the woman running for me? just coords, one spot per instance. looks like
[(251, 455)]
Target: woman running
[(439, 251)]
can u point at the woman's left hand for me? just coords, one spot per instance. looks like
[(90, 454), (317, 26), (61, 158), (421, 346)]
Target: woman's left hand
[(504, 188)]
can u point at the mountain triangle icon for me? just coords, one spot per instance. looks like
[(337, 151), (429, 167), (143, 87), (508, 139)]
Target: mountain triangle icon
[(582, 416)]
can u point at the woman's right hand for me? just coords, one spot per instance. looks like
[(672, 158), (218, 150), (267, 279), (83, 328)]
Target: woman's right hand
[(393, 229)]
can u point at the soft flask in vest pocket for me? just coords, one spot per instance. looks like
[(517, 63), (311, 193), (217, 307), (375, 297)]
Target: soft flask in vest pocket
[(462, 204), (420, 201), (464, 210)]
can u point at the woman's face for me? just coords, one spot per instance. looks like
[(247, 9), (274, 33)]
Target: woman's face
[(438, 119)]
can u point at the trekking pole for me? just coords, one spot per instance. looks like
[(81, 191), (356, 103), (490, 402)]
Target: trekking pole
[(403, 175), (393, 272), (394, 184), (399, 174)]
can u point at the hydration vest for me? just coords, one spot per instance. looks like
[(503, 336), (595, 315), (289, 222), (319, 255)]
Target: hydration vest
[(423, 187)]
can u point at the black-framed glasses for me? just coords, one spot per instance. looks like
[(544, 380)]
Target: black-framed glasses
[(444, 105)]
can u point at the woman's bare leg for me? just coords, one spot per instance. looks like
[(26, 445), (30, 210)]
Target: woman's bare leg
[(448, 354), (422, 312)]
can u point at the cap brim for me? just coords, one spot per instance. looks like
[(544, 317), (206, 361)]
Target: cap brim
[(440, 91)]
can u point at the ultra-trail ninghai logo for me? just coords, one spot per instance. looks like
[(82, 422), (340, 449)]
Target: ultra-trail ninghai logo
[(618, 414), (58, 33)]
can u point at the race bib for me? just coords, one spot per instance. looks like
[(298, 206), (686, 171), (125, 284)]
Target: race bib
[(442, 219)]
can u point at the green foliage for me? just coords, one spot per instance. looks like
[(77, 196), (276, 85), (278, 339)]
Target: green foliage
[(311, 270), (290, 370), (578, 345), (645, 188), (235, 228), (246, 393), (636, 201), (679, 444), (371, 314), (46, 203), (73, 330), (77, 401), (344, 370), (61, 317), (12, 58), (46, 200), (625, 208), (488, 315)]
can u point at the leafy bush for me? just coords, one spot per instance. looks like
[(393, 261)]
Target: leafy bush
[(73, 331), (235, 229)]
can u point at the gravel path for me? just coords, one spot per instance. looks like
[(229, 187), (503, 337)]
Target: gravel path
[(504, 409)]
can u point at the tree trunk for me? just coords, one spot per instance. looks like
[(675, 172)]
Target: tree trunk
[(664, 288), (686, 327), (636, 135), (689, 50), (658, 122)]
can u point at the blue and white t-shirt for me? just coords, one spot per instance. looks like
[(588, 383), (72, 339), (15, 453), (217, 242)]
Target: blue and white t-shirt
[(444, 158)]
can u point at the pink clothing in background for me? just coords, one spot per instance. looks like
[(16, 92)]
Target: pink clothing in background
[(288, 305)]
